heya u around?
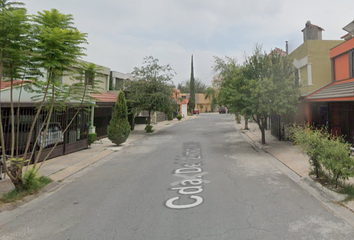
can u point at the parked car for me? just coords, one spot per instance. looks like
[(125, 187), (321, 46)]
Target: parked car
[(196, 111), (54, 135), (222, 110)]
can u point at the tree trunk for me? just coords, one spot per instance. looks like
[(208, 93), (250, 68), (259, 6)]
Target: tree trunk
[(246, 122), (18, 184), (264, 122), (263, 135), (149, 119), (317, 172)]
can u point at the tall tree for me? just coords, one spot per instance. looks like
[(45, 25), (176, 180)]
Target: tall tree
[(14, 43), (152, 89), (57, 45), (199, 86), (191, 103)]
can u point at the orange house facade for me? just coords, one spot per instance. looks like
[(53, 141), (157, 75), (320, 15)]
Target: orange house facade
[(333, 104)]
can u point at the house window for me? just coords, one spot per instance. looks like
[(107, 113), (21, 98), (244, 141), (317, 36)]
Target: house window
[(89, 77), (351, 63)]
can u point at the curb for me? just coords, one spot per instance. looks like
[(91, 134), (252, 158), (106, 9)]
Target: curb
[(330, 199), (319, 188), (323, 191)]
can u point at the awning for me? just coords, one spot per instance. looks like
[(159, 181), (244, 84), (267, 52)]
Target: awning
[(336, 91)]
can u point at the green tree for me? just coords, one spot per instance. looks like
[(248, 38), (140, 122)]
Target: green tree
[(191, 103), (264, 85), (55, 46), (184, 87), (118, 129), (152, 89), (233, 90), (58, 47), (272, 86)]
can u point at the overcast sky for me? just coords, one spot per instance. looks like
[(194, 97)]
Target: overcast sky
[(122, 32)]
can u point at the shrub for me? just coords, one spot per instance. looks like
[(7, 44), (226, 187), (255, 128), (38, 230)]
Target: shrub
[(149, 129), (312, 141), (30, 179), (170, 116), (179, 117), (92, 137), (119, 129), (336, 159)]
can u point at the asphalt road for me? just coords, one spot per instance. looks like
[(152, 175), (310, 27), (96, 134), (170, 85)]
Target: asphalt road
[(198, 180)]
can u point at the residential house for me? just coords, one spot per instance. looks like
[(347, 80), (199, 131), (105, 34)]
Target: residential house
[(75, 137), (312, 61), (333, 104), (105, 100), (201, 103), (117, 79)]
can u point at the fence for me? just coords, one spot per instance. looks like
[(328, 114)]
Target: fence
[(69, 127)]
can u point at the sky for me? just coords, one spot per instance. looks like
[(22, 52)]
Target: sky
[(122, 32)]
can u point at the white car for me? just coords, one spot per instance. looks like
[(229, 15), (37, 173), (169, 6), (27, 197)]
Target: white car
[(54, 135)]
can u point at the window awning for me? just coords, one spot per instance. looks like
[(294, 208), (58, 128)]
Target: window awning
[(336, 91)]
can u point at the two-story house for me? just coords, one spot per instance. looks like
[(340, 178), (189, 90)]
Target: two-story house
[(75, 136), (312, 61), (333, 104), (313, 71)]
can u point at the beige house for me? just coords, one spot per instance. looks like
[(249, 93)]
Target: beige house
[(312, 60), (202, 104), (102, 78), (313, 64)]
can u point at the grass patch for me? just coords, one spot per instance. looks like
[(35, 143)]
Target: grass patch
[(34, 188), (348, 189)]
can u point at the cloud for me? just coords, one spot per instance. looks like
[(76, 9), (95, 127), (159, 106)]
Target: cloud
[(122, 32)]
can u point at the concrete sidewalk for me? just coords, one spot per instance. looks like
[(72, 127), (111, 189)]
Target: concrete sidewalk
[(291, 156), (64, 166), (284, 151)]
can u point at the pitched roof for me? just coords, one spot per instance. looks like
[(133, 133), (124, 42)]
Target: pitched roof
[(278, 51), (7, 84), (106, 97), (335, 91)]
